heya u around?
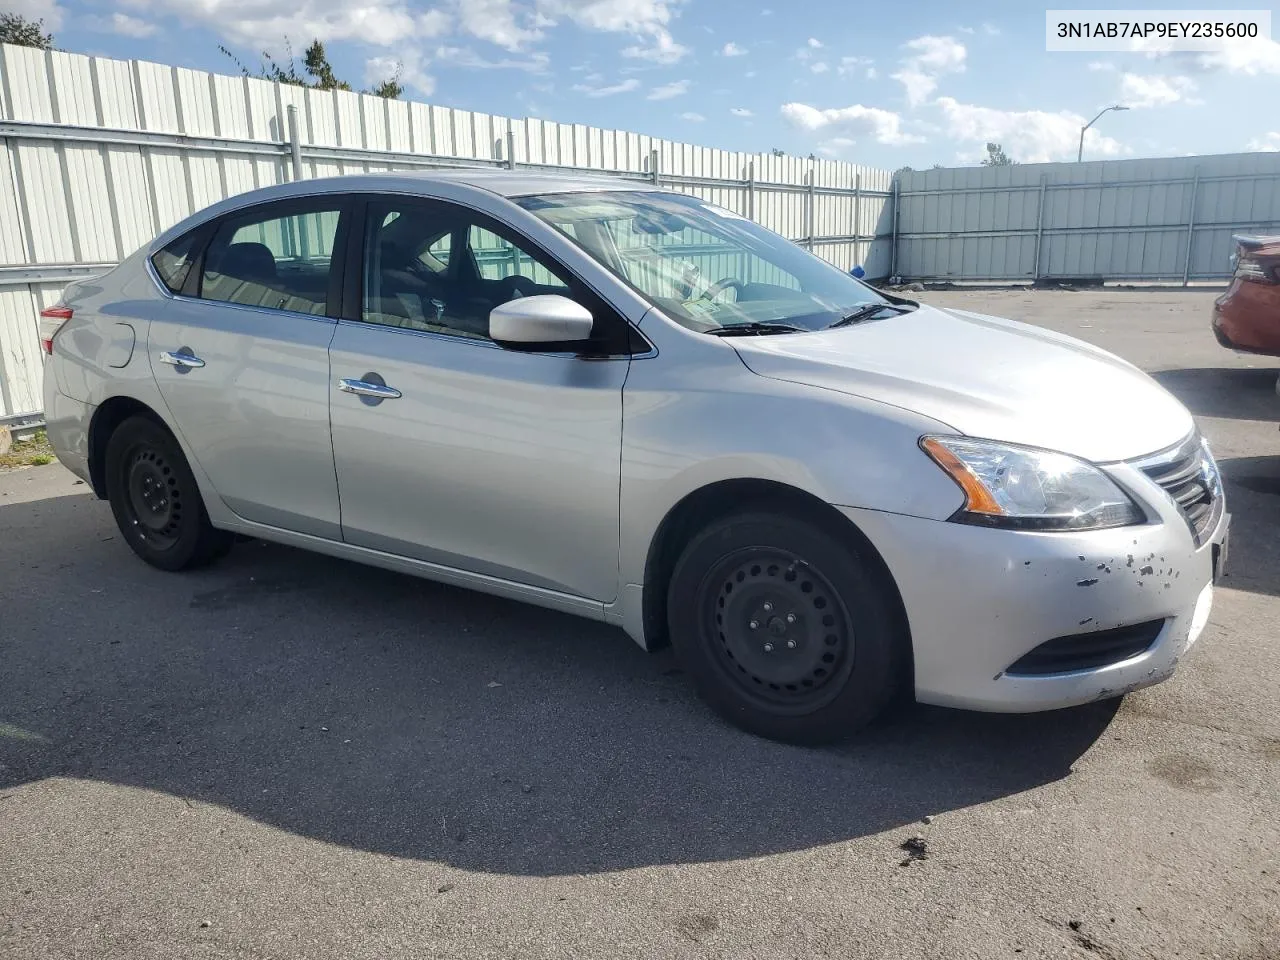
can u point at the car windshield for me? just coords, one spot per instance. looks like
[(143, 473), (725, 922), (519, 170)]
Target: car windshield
[(705, 267)]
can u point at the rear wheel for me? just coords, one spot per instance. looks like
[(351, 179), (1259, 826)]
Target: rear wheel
[(786, 630), (155, 499)]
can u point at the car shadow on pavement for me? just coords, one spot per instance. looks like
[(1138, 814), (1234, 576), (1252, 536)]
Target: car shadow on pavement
[(1253, 497), (1230, 393), (392, 715)]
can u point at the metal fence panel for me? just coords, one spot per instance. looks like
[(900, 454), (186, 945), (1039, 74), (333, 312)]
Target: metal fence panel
[(99, 155), (1161, 219)]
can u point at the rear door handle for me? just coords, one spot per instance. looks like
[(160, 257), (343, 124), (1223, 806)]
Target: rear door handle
[(364, 388), (182, 360)]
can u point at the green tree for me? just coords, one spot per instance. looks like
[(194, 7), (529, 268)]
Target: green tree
[(996, 157), (316, 63), (17, 29), (316, 71), (390, 88)]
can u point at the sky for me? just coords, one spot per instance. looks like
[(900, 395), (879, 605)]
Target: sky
[(886, 85)]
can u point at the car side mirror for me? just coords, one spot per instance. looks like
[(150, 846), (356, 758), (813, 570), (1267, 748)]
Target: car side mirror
[(544, 322)]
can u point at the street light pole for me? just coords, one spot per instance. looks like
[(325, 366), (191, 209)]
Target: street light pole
[(1080, 152)]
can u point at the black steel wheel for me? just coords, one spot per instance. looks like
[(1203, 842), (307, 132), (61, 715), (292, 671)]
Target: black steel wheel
[(786, 630), (785, 636), (155, 499)]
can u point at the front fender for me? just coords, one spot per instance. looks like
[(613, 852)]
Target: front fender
[(687, 426)]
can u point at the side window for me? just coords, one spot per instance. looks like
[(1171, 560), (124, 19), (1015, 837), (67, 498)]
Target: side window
[(436, 256), (499, 259), (432, 267), (277, 261), (173, 263)]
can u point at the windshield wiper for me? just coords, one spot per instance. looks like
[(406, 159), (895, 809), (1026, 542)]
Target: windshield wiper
[(755, 328), (869, 310)]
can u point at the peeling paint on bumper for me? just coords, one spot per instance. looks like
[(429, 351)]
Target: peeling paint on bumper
[(979, 599)]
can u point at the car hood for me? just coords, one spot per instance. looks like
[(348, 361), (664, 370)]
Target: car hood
[(985, 377)]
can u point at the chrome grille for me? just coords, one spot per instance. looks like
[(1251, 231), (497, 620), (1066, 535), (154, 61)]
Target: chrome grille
[(1188, 474)]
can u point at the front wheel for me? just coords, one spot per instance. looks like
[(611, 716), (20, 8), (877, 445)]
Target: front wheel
[(785, 629), (155, 499)]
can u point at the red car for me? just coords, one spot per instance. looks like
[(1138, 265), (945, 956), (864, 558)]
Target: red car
[(1247, 316)]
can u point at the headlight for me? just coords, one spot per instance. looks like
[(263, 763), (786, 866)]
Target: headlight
[(1026, 488)]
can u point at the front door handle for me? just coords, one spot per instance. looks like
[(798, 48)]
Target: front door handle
[(365, 388), (182, 360)]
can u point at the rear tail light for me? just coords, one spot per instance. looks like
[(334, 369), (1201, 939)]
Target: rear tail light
[(51, 321)]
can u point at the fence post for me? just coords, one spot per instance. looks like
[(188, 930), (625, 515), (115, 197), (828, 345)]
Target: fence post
[(811, 180), (1035, 269), (653, 166), (295, 145), (857, 216), (1191, 227), (751, 190), (511, 150), (893, 248)]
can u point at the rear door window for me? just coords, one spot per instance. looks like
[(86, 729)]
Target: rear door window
[(275, 259), (173, 263)]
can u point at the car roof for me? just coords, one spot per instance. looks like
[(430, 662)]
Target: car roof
[(519, 183), (505, 183)]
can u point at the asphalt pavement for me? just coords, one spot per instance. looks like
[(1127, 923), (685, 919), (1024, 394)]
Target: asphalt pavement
[(292, 756)]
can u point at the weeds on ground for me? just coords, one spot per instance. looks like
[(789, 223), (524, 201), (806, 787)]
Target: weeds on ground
[(32, 452)]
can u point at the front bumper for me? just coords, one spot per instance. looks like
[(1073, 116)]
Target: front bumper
[(978, 600)]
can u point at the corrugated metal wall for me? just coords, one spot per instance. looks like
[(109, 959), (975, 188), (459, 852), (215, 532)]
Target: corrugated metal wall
[(98, 156), (1166, 219)]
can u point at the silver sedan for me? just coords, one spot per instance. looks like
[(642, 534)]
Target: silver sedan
[(640, 407)]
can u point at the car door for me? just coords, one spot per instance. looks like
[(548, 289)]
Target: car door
[(494, 461), (241, 359)]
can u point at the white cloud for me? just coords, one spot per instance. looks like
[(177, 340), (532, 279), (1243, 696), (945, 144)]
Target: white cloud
[(626, 86), (466, 57), (669, 90), (853, 64), (1137, 90), (1270, 142), (380, 23), (46, 10), (731, 49), (967, 30), (741, 112), (884, 126), (663, 50), (647, 20), (815, 43), (836, 146), (1101, 66), (495, 21), (871, 73), (930, 58), (819, 67), (1028, 136), (1250, 57), (121, 23), (692, 117), (749, 74), (991, 30), (409, 68)]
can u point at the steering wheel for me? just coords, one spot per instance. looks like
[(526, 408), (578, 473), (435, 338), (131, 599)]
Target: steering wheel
[(721, 285)]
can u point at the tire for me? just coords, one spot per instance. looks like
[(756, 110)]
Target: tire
[(807, 650), (155, 499)]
